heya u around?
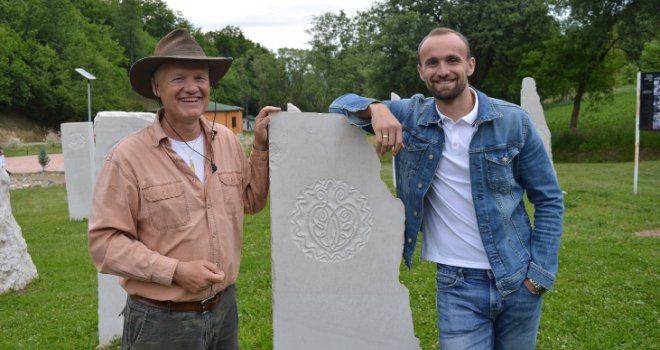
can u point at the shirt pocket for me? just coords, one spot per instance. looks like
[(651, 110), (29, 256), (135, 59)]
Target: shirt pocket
[(231, 185), (167, 205), (499, 165)]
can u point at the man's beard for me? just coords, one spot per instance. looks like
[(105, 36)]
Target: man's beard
[(447, 95)]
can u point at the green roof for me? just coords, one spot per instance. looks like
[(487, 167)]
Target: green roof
[(221, 107)]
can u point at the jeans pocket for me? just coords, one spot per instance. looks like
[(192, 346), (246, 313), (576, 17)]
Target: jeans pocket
[(447, 279), (134, 324)]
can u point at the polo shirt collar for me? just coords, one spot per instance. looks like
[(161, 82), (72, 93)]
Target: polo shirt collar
[(469, 118)]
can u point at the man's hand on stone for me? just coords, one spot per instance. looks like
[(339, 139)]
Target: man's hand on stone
[(387, 128), (261, 127), (197, 275)]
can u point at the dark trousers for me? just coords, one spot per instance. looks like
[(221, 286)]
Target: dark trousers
[(147, 327)]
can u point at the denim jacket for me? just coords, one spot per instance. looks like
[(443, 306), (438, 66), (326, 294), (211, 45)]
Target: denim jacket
[(507, 158)]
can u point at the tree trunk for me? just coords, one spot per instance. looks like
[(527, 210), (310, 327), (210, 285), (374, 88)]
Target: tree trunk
[(575, 115)]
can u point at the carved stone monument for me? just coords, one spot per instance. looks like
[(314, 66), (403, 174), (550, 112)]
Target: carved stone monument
[(531, 102), (78, 151), (110, 127), (290, 107), (16, 266), (337, 238)]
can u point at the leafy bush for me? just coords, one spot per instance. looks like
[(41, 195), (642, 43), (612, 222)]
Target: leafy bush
[(14, 143), (53, 139)]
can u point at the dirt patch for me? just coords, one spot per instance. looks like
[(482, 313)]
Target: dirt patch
[(44, 179), (648, 233)]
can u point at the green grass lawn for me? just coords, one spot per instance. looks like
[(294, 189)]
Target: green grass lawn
[(606, 295), (31, 150)]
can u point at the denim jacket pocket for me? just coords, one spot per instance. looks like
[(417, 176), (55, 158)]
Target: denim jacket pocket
[(412, 153), (500, 169), (167, 205)]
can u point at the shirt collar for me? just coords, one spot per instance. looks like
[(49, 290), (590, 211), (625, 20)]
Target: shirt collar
[(158, 134), (469, 118)]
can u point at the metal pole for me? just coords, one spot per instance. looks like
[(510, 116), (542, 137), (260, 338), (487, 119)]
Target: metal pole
[(636, 170), (89, 102)]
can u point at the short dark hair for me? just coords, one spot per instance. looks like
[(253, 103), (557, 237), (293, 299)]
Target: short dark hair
[(444, 31)]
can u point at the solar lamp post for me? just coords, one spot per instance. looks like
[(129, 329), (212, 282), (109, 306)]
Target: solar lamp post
[(89, 78)]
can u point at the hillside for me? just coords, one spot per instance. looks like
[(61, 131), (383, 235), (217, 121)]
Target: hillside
[(12, 124)]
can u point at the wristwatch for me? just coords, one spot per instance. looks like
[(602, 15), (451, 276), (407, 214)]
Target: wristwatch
[(539, 288)]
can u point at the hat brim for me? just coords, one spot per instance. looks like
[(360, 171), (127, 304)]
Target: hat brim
[(143, 70)]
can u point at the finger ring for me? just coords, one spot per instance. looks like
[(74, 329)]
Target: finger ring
[(384, 136)]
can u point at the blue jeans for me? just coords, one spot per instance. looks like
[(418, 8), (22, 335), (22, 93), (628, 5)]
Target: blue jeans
[(472, 314), (147, 327)]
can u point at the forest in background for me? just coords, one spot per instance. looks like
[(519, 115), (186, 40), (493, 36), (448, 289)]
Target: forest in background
[(575, 49)]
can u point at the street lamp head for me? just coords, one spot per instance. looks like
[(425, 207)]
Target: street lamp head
[(85, 74)]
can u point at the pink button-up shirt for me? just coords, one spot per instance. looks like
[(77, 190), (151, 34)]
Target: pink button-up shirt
[(150, 211)]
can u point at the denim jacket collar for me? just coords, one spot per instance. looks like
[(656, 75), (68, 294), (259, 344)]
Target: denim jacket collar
[(487, 111)]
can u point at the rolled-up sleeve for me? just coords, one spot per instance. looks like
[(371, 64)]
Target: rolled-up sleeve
[(349, 104), (113, 240), (255, 193)]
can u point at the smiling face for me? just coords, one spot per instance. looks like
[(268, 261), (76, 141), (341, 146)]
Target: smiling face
[(444, 66), (183, 87)]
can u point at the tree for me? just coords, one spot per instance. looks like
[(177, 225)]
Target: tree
[(44, 160), (394, 50), (590, 49), (130, 32), (371, 46), (650, 57), (159, 19), (500, 32), (40, 45), (339, 59)]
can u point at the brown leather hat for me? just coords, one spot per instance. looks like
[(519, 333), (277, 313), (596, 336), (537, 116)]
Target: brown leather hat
[(179, 45)]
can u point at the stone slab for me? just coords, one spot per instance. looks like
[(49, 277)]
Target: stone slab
[(337, 238), (110, 127), (531, 102), (78, 152)]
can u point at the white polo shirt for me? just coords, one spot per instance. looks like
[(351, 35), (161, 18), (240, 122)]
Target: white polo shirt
[(451, 233)]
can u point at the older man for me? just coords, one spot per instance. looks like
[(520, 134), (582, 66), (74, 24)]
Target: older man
[(167, 212)]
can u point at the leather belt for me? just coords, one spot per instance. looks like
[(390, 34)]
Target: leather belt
[(185, 306)]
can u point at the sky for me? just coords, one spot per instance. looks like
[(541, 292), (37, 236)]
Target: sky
[(272, 23)]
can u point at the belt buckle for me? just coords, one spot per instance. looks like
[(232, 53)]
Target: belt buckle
[(207, 303)]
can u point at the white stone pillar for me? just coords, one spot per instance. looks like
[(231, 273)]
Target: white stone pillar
[(78, 152), (110, 127), (337, 238), (531, 102)]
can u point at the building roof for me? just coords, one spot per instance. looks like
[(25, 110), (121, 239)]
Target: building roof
[(221, 107)]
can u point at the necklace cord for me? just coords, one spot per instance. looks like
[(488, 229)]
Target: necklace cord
[(213, 166)]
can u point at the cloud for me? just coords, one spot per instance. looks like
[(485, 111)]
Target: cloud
[(272, 24)]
